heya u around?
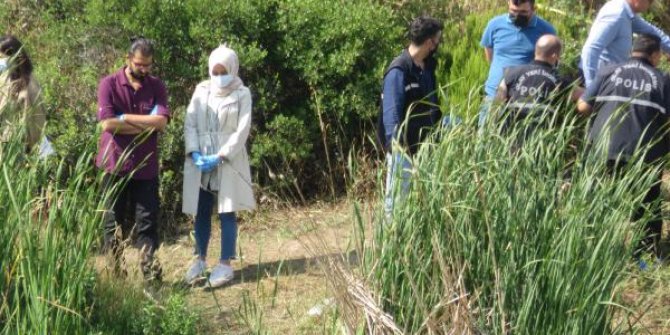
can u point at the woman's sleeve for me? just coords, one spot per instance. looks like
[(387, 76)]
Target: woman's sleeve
[(191, 125), (238, 139)]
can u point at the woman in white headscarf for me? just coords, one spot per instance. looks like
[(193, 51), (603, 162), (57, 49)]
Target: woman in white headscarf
[(216, 168)]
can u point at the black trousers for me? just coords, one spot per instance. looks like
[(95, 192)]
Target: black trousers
[(135, 207), (651, 205), (654, 226)]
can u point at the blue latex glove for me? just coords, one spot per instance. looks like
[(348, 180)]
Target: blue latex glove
[(196, 156), (210, 162), (197, 160)]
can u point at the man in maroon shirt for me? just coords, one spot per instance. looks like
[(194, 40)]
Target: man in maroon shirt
[(132, 110)]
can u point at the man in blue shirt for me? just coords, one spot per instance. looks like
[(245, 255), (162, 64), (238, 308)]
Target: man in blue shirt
[(611, 37), (509, 40), (409, 100)]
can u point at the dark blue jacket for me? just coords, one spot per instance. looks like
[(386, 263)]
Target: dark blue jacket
[(409, 107)]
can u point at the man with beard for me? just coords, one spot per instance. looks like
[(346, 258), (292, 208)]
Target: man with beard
[(132, 109)]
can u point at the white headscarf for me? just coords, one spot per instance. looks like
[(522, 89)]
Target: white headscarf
[(228, 58)]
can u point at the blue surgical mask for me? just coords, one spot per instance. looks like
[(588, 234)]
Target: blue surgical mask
[(3, 64), (222, 81)]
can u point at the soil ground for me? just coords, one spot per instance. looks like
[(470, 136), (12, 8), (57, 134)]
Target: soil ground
[(278, 277)]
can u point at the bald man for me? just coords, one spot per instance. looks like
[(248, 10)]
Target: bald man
[(533, 89)]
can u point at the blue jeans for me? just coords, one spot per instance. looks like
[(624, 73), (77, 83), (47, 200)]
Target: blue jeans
[(203, 227), (394, 162), (484, 110)]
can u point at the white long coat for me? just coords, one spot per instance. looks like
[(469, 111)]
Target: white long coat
[(234, 117)]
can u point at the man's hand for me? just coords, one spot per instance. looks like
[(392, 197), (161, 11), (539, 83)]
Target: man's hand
[(584, 107)]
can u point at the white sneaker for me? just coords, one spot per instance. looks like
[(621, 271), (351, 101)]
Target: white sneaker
[(196, 272), (221, 274)]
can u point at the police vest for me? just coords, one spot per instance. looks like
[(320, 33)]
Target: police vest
[(416, 117), (532, 89), (631, 108)]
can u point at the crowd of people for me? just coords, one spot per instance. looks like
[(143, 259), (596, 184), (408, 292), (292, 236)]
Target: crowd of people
[(620, 80), (132, 111), (619, 83)]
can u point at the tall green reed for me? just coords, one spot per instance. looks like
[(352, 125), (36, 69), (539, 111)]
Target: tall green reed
[(537, 236), (49, 227)]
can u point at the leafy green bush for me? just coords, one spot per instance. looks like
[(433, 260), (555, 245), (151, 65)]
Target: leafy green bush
[(465, 69), (338, 64), (302, 60)]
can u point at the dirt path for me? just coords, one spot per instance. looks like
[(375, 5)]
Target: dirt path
[(277, 279)]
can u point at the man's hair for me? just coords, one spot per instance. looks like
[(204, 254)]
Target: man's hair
[(142, 45), (423, 28), (548, 45), (647, 44), (21, 66), (521, 2)]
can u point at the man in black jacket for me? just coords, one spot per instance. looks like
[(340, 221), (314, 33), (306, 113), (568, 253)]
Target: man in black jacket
[(631, 101), (409, 99), (532, 92)]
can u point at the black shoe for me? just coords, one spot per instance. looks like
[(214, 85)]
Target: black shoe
[(151, 268)]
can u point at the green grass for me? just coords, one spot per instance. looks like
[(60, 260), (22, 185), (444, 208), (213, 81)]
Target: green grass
[(52, 221), (500, 240), (48, 230)]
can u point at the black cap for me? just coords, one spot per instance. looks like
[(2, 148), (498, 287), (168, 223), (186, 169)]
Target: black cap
[(647, 44)]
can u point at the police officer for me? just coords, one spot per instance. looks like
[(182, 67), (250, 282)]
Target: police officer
[(630, 100), (408, 81), (532, 89)]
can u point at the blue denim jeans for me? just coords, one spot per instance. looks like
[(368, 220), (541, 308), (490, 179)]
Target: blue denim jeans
[(484, 110), (203, 227), (394, 162)]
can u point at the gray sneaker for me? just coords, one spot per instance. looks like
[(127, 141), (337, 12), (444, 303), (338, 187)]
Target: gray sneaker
[(196, 272), (221, 274)]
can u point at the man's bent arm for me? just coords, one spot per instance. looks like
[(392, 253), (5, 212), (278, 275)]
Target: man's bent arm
[(153, 122), (602, 34), (488, 52)]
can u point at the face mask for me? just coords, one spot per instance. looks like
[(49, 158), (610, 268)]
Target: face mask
[(432, 53), (520, 21), (222, 81), (3, 64)]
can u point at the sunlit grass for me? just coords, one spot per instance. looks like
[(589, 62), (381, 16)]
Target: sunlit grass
[(537, 236)]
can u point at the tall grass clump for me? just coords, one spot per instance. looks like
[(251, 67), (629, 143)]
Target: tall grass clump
[(49, 225), (498, 237)]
